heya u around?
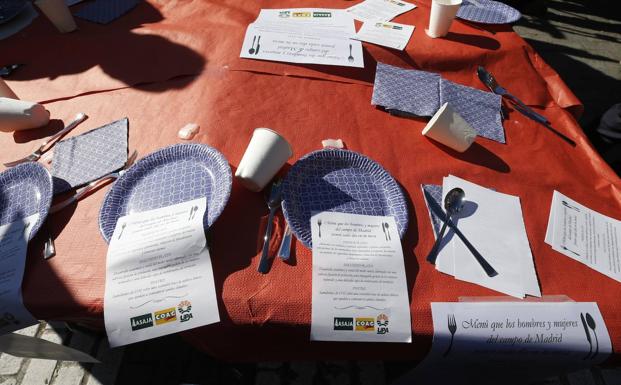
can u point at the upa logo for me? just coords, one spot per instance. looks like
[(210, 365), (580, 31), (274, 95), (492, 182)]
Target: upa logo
[(365, 324), (185, 310), (165, 316), (343, 323), (382, 324), (141, 322)]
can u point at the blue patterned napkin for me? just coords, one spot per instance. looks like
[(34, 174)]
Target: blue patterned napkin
[(479, 108), (87, 157), (411, 91), (105, 11), (433, 199), (419, 93)]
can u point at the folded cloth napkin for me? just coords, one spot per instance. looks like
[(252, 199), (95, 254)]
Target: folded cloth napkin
[(412, 92), (87, 157), (105, 11), (479, 108)]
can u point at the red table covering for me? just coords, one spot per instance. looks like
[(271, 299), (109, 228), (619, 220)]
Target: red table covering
[(170, 62)]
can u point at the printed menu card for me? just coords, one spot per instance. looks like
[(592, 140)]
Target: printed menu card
[(13, 247), (585, 235), (303, 35), (512, 339), (159, 278), (359, 284), (391, 35), (379, 10)]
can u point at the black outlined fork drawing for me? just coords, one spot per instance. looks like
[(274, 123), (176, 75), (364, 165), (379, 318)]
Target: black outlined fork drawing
[(452, 327)]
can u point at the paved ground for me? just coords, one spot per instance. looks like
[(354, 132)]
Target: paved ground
[(580, 39)]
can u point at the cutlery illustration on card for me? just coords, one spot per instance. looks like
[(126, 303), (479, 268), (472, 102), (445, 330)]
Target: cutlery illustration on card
[(193, 211), (351, 57), (258, 45), (588, 336), (319, 226), (452, 327), (384, 230), (570, 250), (591, 323), (122, 229), (570, 206), (251, 50)]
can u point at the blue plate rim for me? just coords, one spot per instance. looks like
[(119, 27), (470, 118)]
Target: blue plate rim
[(46, 199), (213, 151), (508, 21), (381, 170)]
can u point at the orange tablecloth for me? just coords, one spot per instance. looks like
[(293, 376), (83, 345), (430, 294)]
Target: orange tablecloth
[(181, 57)]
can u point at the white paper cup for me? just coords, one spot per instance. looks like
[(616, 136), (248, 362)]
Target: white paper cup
[(266, 153), (442, 14), (6, 91), (450, 129), (18, 115), (58, 13)]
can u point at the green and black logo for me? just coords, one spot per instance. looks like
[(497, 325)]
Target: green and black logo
[(343, 323), (322, 14), (142, 321)]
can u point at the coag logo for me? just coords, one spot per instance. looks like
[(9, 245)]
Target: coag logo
[(185, 311), (343, 323), (382, 324), (284, 14), (365, 324), (165, 316), (302, 14), (141, 322)]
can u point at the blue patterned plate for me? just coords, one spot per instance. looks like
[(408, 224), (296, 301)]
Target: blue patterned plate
[(25, 189), (339, 181), (11, 8), (172, 175), (488, 11)]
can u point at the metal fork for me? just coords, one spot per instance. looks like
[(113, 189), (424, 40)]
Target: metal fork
[(273, 204), (94, 185), (452, 327), (79, 118)]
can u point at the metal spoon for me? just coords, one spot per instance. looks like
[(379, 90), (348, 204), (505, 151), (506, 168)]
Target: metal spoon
[(453, 203)]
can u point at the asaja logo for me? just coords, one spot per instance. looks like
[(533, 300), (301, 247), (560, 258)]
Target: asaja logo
[(365, 324), (284, 14), (185, 310), (343, 323), (165, 316), (382, 324), (141, 322), (322, 14)]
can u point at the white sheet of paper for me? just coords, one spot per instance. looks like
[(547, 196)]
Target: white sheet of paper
[(585, 235), (518, 337), (379, 10), (303, 35), (359, 284), (13, 249), (494, 224), (159, 278), (388, 34)]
